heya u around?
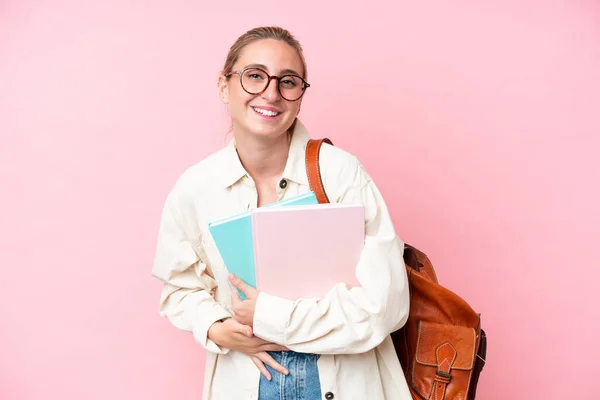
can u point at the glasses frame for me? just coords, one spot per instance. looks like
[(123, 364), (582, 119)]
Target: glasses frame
[(240, 73)]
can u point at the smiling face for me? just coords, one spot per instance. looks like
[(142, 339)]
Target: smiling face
[(267, 114)]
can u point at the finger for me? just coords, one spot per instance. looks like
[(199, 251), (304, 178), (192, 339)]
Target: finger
[(270, 361), (241, 328), (261, 367), (248, 290), (273, 347), (235, 300)]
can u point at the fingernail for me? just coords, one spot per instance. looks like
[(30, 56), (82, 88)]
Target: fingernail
[(286, 372)]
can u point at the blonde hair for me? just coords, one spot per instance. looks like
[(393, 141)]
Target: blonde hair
[(262, 33)]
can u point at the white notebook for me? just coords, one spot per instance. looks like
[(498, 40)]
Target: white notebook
[(303, 251)]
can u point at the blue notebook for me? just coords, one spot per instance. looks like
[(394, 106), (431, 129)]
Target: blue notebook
[(233, 238)]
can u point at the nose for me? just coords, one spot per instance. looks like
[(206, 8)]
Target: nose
[(271, 93)]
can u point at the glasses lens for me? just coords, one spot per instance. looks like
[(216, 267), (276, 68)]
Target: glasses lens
[(254, 80), (291, 87)]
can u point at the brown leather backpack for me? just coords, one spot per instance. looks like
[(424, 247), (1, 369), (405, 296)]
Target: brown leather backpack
[(442, 347)]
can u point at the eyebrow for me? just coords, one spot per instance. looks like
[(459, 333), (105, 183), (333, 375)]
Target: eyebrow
[(282, 72)]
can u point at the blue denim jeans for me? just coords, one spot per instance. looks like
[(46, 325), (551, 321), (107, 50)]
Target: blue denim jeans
[(302, 383)]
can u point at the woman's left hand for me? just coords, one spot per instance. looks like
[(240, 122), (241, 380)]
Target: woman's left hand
[(243, 310)]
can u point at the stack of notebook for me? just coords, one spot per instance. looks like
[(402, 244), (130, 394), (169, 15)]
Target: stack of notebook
[(294, 248)]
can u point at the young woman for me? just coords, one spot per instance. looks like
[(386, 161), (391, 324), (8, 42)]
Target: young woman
[(268, 347)]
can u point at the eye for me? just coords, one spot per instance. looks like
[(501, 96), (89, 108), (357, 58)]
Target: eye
[(290, 81), (254, 75)]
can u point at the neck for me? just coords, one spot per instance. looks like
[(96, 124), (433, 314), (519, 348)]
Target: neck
[(263, 158)]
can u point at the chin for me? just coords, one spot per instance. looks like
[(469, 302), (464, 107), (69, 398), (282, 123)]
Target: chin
[(269, 129)]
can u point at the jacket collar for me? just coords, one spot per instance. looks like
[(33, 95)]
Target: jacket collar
[(295, 169)]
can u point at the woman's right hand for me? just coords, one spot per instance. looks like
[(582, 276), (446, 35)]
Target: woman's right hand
[(235, 336)]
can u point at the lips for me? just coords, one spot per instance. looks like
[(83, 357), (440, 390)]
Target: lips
[(266, 111)]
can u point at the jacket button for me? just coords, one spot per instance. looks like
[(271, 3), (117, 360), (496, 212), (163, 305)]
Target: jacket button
[(282, 183), (329, 396)]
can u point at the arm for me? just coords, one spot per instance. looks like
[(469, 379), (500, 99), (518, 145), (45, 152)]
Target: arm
[(186, 299), (347, 320)]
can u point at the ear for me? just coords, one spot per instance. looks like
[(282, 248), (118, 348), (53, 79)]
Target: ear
[(223, 89)]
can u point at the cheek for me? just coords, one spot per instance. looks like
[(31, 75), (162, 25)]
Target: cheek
[(238, 102), (294, 108)]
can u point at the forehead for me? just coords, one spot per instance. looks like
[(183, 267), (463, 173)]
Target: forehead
[(273, 54)]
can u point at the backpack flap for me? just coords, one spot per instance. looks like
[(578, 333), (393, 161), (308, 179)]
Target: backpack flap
[(444, 360)]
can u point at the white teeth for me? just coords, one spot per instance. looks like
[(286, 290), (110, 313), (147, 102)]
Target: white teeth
[(265, 112)]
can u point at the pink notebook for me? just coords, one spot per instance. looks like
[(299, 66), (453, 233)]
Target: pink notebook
[(303, 251)]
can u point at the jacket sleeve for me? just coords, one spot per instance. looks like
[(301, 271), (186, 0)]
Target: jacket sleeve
[(346, 320), (186, 299)]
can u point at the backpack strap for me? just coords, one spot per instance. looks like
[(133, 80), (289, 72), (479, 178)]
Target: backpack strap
[(313, 171)]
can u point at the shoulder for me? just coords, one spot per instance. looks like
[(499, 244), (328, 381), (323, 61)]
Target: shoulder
[(200, 177), (343, 175), (339, 163)]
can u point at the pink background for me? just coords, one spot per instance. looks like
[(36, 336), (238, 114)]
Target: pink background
[(478, 121)]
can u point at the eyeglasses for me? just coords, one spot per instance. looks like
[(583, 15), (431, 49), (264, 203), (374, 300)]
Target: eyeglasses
[(255, 81)]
